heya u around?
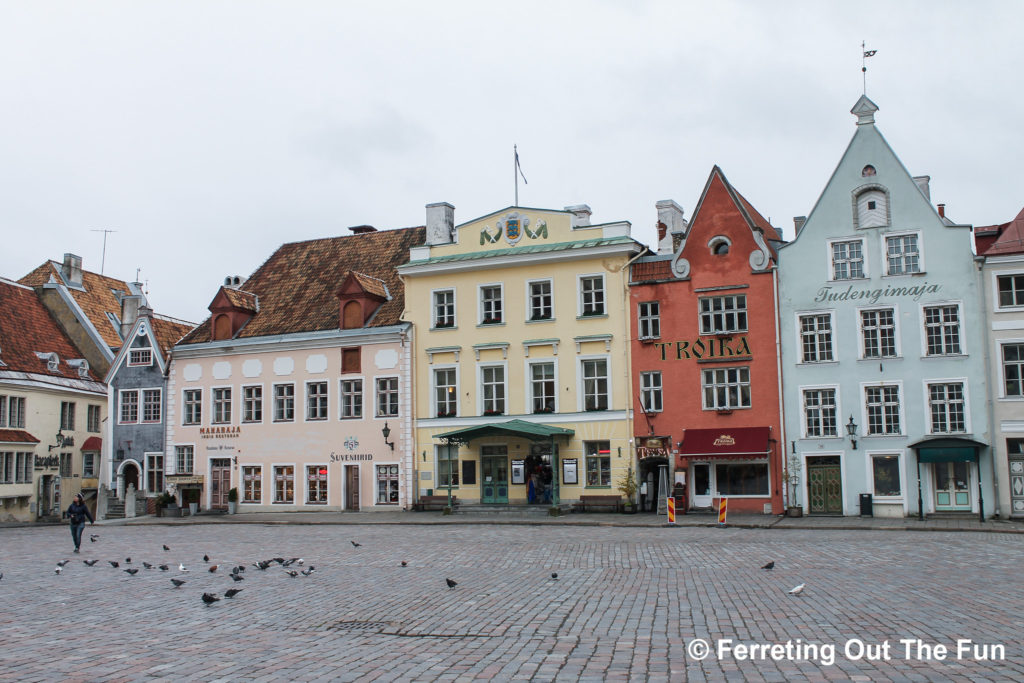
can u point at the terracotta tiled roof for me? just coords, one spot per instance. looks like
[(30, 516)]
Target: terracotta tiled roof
[(97, 299), (296, 286), (168, 332), (26, 329), (16, 436), (770, 233), (246, 301), (1010, 239), (371, 285), (650, 271)]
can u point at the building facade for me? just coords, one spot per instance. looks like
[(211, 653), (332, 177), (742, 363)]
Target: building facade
[(51, 410), (706, 358), (521, 356), (1002, 249), (885, 387), (297, 390)]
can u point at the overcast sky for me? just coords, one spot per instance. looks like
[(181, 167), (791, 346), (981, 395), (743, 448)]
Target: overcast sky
[(206, 134)]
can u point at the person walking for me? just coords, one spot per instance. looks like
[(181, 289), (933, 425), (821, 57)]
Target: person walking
[(77, 513)]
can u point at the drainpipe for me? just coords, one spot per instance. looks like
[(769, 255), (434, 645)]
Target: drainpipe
[(627, 372), (781, 443), (979, 262)]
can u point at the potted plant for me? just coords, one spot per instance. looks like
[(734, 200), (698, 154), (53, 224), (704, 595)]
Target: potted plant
[(791, 476), (164, 500), (232, 500), (628, 488)]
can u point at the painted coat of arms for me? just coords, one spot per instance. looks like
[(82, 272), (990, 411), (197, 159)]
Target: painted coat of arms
[(512, 226)]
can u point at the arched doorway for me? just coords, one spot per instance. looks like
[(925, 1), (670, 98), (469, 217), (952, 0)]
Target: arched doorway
[(128, 476)]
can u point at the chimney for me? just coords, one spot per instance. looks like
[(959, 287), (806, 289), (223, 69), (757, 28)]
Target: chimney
[(580, 215), (942, 210), (798, 224), (130, 304), (670, 215), (922, 184), (440, 223), (72, 270), (234, 281), (362, 229)]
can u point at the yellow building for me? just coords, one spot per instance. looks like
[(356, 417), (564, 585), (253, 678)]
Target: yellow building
[(520, 355)]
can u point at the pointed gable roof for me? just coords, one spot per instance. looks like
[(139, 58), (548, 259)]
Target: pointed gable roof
[(717, 182), (1002, 239)]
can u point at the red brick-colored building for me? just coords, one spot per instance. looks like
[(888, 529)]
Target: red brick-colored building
[(705, 366)]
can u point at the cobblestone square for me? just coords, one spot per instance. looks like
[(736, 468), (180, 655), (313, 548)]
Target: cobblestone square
[(627, 604)]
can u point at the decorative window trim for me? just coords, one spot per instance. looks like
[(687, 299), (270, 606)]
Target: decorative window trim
[(797, 315), (898, 340), (581, 398), (528, 378), (830, 258), (477, 348), (480, 399), (869, 187), (929, 427), (606, 338), (716, 242), (434, 409), (802, 389), (140, 356), (901, 401), (490, 319), (962, 337), (580, 277), (433, 309), (922, 267), (530, 343), (529, 300)]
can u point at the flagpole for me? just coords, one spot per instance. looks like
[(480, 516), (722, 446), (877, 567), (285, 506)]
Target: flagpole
[(515, 170)]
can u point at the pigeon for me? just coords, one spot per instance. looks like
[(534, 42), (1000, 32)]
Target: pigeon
[(451, 584), (164, 567), (89, 563), (206, 558), (797, 590), (307, 572), (114, 563), (554, 576), (279, 560), (166, 548), (404, 563), (181, 567), (93, 537), (209, 598), (127, 560), (177, 582), (58, 570), (354, 544), (262, 565), (133, 571), (291, 572), (213, 568), (62, 563), (147, 565), (769, 566), (232, 592), (300, 562), (288, 563), (236, 577)]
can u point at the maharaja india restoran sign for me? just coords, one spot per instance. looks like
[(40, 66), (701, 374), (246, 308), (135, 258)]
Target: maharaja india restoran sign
[(219, 432), (718, 347)]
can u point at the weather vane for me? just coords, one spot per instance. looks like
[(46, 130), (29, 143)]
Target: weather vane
[(865, 53)]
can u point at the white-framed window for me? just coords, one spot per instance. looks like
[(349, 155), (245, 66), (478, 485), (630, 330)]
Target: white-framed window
[(1012, 358), (140, 357), (387, 484), (155, 472), (252, 483), (942, 330), (447, 466), (847, 259), (23, 466), (221, 405), (444, 308), (252, 403), (492, 308), (543, 391), (492, 389), (284, 403), (539, 294), (596, 380), (878, 333), (886, 475), (387, 396), (726, 388), (128, 406), (872, 208), (591, 288), (650, 391), (903, 254), (723, 314), (284, 484), (351, 398), (67, 415), (92, 422), (1009, 290), (192, 404), (88, 464), (816, 338), (598, 461), (820, 412), (12, 412), (152, 405), (446, 392), (649, 318), (882, 407), (185, 459), (316, 484), (316, 401), (947, 407)]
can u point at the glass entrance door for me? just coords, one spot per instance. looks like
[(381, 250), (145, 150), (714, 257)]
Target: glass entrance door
[(952, 486), (701, 497), (494, 475)]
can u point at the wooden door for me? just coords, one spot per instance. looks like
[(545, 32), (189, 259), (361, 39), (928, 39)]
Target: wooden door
[(352, 487), (220, 483)]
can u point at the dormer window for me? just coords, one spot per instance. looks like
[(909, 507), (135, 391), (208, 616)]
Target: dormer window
[(719, 245), (360, 297), (871, 207), (140, 357)]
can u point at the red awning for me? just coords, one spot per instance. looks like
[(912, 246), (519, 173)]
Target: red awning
[(16, 436), (724, 443), (93, 443)]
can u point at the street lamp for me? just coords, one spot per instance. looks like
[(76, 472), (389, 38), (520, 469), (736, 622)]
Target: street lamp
[(386, 431), (851, 430)]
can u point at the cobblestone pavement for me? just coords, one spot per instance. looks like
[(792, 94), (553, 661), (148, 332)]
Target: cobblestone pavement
[(627, 604)]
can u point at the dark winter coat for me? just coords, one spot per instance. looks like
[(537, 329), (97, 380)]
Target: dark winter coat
[(78, 512)]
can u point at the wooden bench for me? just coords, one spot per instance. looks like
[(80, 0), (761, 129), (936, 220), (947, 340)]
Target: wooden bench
[(596, 501), (436, 502)]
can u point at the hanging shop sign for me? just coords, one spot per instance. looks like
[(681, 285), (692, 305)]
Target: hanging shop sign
[(652, 447), (712, 347)]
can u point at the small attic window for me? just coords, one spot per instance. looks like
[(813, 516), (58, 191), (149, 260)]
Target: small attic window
[(868, 171), (872, 208), (719, 245)]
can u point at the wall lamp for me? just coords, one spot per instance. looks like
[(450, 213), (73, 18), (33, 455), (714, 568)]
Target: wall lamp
[(386, 431), (851, 431)]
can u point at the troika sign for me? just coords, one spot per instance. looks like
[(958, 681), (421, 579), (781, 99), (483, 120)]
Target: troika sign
[(716, 347)]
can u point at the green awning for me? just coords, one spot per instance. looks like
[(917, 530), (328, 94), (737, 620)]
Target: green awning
[(522, 429), (947, 449)]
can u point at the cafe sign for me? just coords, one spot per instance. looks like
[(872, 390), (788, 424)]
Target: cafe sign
[(652, 447), (181, 479)]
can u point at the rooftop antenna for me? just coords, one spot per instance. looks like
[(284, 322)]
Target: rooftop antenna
[(518, 171), (865, 53), (103, 261)]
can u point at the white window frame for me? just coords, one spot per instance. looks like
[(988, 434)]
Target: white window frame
[(926, 392), (740, 383), (502, 313), (306, 487), (67, 415), (342, 394), (246, 400), (142, 405), (120, 406), (581, 398), (799, 315), (650, 390), (920, 252), (133, 359), (481, 401), (528, 378), (529, 300), (376, 397), (897, 350), (441, 482), (1000, 343), (92, 425), (724, 313), (177, 458), (961, 337), (243, 486), (901, 396), (273, 483), (830, 258), (840, 430), (434, 293), (647, 320), (869, 461), (323, 415), (996, 304), (580, 295), (274, 400), (434, 405), (213, 405), (185, 403)]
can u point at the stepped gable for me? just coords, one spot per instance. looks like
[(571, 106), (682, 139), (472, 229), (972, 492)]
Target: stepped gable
[(295, 290)]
